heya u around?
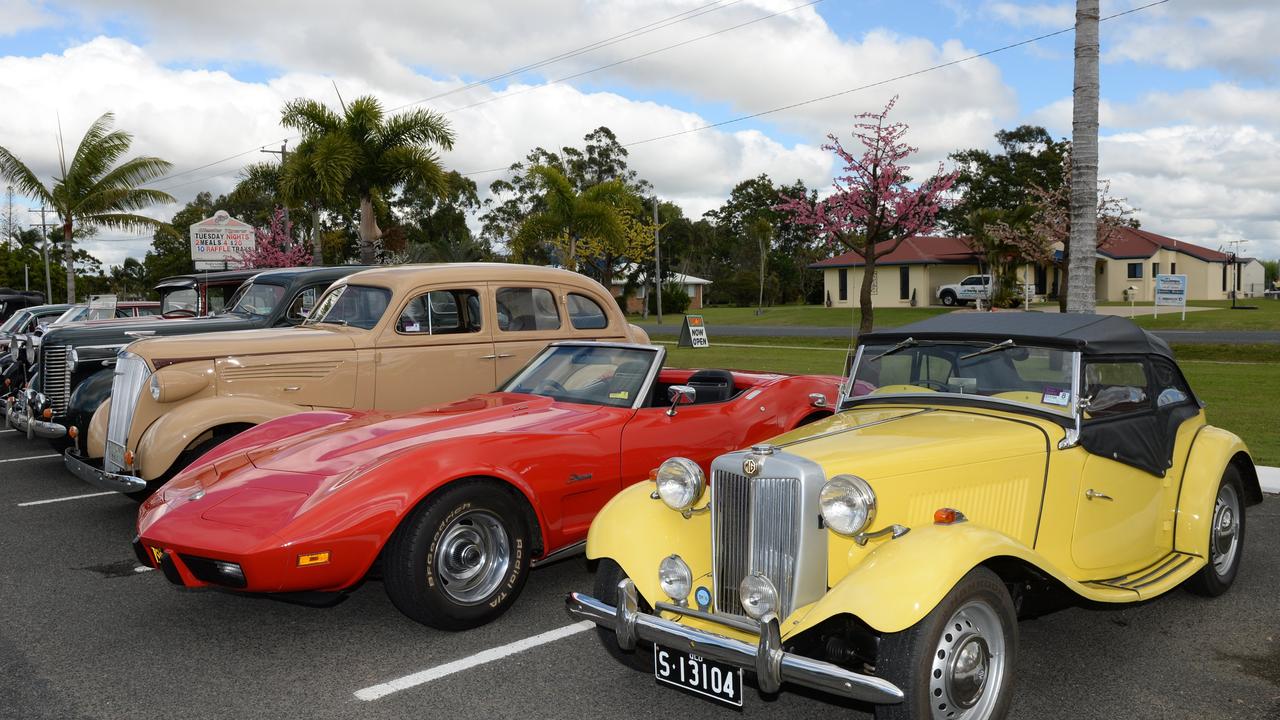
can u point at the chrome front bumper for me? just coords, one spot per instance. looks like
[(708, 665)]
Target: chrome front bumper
[(771, 665), (18, 415), (97, 477)]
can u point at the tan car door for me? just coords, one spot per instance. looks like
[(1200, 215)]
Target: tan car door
[(439, 348), (527, 317)]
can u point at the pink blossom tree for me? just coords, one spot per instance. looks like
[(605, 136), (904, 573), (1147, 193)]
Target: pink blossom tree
[(874, 206), (275, 246)]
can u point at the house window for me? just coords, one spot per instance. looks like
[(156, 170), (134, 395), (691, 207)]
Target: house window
[(1237, 276), (1155, 269), (1135, 271), (1101, 267), (1173, 268), (844, 283), (1224, 277), (904, 283)]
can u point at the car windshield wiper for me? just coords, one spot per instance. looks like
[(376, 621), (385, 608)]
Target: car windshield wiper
[(909, 342), (1002, 345)]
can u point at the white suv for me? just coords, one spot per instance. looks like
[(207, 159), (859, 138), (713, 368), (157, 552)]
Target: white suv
[(966, 291)]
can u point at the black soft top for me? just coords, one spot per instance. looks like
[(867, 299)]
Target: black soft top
[(1090, 334)]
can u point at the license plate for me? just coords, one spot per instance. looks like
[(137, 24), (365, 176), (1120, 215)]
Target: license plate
[(115, 456), (692, 672)]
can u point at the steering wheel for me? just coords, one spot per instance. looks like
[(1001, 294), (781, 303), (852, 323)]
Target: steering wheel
[(551, 385), (178, 313)]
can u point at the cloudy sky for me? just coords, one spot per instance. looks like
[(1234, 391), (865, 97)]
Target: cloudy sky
[(1190, 109)]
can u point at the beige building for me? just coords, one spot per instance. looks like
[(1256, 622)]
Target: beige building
[(694, 287), (912, 274)]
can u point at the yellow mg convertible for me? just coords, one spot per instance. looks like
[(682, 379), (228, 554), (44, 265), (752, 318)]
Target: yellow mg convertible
[(980, 467)]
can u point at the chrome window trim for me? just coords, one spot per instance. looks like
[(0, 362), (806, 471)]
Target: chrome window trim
[(659, 352)]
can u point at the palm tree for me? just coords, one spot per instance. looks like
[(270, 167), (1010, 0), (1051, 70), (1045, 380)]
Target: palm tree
[(362, 154), (573, 220), (93, 190), (1081, 297)]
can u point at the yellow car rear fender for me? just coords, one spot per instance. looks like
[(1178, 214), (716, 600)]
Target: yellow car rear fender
[(1211, 451), (175, 431), (637, 532), (905, 578)]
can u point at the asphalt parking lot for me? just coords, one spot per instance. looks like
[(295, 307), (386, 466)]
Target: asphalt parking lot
[(83, 634)]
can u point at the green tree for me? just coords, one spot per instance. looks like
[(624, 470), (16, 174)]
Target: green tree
[(1271, 272), (93, 190), (1028, 158), (435, 226), (363, 155)]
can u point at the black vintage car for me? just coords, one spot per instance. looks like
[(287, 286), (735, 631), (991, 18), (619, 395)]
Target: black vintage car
[(11, 301), (200, 294), (72, 369)]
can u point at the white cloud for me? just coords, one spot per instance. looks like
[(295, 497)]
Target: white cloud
[(1038, 15), (1233, 36)]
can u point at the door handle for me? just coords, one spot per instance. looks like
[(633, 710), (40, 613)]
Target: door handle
[(292, 388), (488, 357), (1095, 495), (506, 355)]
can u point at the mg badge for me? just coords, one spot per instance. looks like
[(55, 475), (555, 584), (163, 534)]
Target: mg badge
[(750, 467)]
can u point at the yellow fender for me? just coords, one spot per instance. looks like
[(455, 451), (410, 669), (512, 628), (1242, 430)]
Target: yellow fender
[(903, 579), (637, 531), (175, 431), (1211, 451)]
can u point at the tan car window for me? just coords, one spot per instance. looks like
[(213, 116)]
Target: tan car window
[(302, 304), (585, 313), (526, 309), (441, 312)]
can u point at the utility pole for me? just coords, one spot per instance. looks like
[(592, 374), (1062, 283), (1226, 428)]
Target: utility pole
[(657, 259), (44, 250), (283, 152)]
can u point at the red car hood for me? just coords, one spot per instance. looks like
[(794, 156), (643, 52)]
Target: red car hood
[(366, 438)]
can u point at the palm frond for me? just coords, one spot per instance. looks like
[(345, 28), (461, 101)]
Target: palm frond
[(24, 180), (120, 221), (416, 127), (135, 171), (413, 163), (109, 200), (310, 117), (364, 119), (333, 161)]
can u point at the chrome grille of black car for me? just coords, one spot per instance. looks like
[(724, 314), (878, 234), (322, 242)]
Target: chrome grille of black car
[(755, 528), (56, 377)]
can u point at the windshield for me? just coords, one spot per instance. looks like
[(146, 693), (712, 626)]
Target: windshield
[(258, 299), (179, 299), (15, 321), (592, 375), (1028, 375), (71, 314), (355, 305)]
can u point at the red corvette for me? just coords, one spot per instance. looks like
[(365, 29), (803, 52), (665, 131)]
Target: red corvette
[(455, 502)]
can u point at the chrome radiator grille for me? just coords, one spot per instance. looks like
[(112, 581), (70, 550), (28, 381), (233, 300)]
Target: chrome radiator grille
[(56, 377), (130, 381), (755, 528)]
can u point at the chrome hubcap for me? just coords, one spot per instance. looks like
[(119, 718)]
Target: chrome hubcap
[(472, 557), (968, 665), (1225, 539)]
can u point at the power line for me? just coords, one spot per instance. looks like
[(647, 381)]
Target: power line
[(867, 86), (633, 33)]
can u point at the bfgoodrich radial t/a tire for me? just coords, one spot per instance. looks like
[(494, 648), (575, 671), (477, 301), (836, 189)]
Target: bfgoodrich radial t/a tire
[(957, 662), (460, 558)]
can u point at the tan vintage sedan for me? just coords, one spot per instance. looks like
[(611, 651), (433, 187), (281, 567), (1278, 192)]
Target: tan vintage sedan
[(393, 339)]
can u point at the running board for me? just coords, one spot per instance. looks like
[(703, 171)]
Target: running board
[(562, 553), (1155, 578)]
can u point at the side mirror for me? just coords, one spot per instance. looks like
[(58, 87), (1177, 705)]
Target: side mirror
[(680, 395)]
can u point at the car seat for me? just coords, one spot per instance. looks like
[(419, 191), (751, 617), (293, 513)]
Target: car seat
[(628, 378), (711, 385)]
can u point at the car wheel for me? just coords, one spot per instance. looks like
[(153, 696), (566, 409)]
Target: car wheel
[(948, 299), (956, 663), (1226, 538), (459, 559), (608, 575)]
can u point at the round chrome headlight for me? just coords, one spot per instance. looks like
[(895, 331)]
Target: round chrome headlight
[(848, 504), (73, 358), (675, 578), (155, 387), (759, 596), (680, 483)]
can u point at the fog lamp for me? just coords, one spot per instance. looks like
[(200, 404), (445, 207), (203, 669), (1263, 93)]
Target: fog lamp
[(128, 458), (680, 483), (48, 413), (759, 597), (72, 432), (231, 571), (675, 578)]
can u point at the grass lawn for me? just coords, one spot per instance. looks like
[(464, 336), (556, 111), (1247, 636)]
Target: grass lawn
[(1266, 317), (1228, 378), (811, 315)]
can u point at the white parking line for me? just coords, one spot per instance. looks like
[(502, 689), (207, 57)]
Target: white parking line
[(30, 457), (382, 690), (63, 499)]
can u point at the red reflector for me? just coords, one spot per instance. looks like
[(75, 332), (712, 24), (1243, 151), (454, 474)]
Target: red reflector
[(945, 516)]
